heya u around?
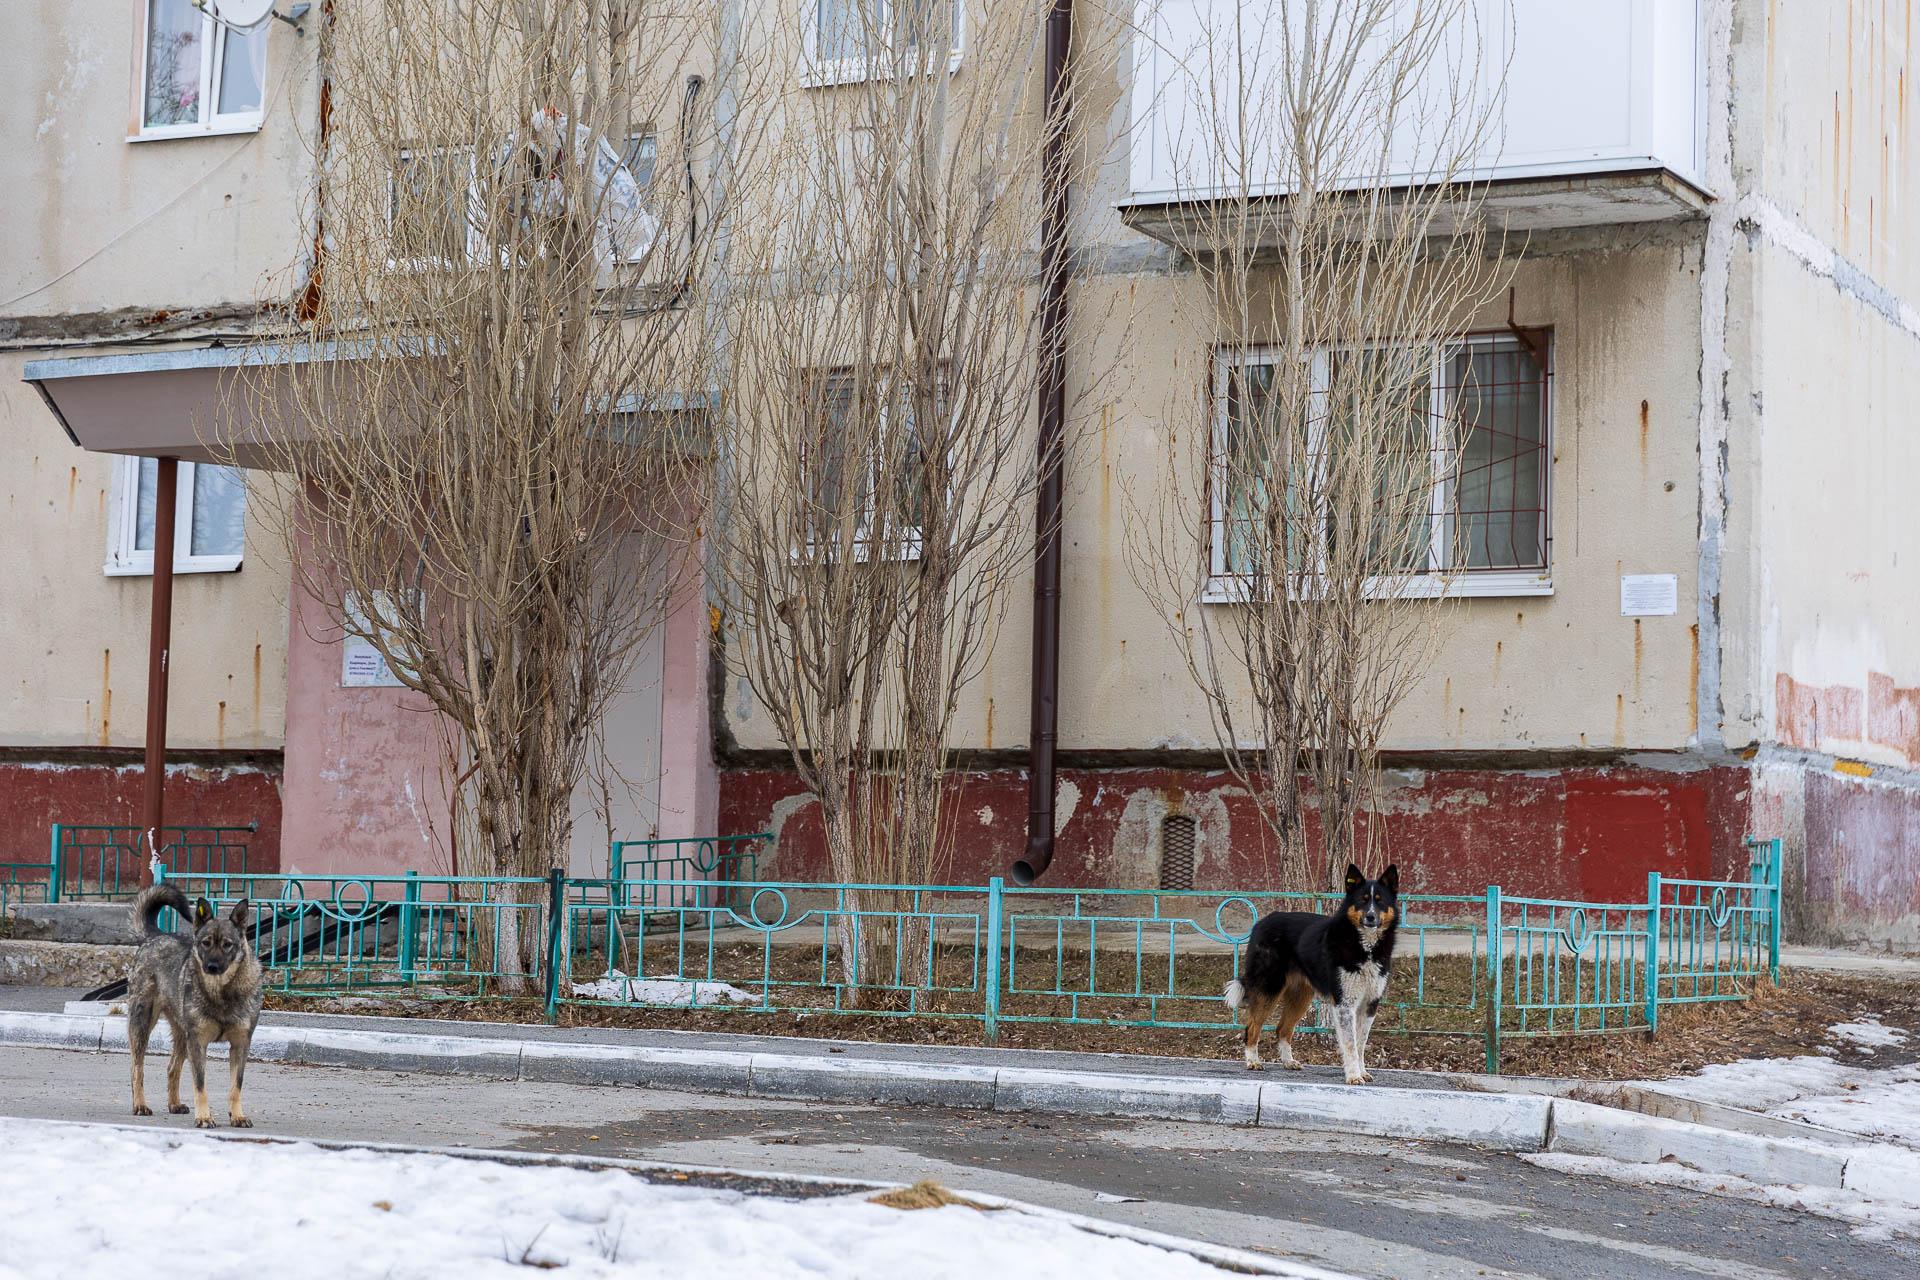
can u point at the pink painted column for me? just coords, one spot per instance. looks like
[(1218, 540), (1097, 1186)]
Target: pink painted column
[(689, 780), (363, 791)]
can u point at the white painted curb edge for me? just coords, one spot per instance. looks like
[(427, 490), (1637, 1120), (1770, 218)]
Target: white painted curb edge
[(1508, 1122)]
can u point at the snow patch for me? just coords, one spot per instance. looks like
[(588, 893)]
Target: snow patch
[(1868, 1034), (1878, 1103), (312, 1214), (673, 991), (1870, 1219)]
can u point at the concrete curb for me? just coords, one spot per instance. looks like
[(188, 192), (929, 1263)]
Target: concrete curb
[(1516, 1122), (1229, 1259), (1500, 1121)]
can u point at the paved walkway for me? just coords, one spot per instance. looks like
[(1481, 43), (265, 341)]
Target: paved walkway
[(1370, 1207)]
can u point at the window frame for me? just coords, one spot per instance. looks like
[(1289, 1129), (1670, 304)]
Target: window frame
[(475, 242), (125, 559), (1437, 580), (817, 72), (904, 548), (213, 55)]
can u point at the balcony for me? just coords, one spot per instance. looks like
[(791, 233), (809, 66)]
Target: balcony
[(1598, 119)]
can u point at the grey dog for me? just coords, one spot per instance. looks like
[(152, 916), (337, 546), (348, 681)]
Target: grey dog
[(208, 989)]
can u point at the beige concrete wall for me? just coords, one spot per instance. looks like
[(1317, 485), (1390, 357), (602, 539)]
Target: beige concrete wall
[(1565, 671), (109, 240), (95, 222), (73, 653), (1824, 347)]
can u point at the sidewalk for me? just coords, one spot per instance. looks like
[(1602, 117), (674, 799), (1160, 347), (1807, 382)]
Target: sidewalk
[(1493, 1113)]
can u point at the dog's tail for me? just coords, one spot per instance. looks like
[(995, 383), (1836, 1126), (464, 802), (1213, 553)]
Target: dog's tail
[(1235, 994), (153, 900)]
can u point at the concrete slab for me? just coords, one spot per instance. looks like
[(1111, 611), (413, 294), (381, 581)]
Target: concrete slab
[(696, 1070), (1116, 1094), (855, 1080), (1584, 1129), (1502, 1122)]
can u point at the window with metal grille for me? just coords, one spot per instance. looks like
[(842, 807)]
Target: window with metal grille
[(1177, 840), (1479, 406)]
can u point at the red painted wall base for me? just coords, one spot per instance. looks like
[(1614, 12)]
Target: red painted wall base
[(36, 794), (1592, 832)]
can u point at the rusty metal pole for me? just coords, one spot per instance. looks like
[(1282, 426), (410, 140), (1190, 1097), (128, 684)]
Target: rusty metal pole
[(159, 642), (1044, 731)]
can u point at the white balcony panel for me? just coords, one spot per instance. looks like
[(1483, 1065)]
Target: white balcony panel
[(1561, 91)]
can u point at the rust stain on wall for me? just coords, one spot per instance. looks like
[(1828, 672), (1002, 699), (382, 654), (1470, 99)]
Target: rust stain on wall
[(1693, 675), (1805, 713), (1893, 715), (1643, 437), (106, 696), (1639, 653), (1886, 714), (1619, 719)]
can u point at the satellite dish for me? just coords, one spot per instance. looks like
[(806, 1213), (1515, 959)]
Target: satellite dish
[(244, 14)]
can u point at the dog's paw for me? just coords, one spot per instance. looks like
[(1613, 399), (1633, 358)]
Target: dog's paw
[(1366, 1077), (1293, 1064), (143, 1110), (241, 1122), (208, 1123), (1254, 1064), (179, 1109), (1357, 1077)]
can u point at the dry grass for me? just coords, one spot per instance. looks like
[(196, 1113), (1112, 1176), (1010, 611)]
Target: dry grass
[(924, 1194), (1776, 1022)]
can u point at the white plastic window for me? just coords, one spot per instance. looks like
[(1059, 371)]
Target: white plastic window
[(210, 518), (198, 77), (847, 40), (1487, 531)]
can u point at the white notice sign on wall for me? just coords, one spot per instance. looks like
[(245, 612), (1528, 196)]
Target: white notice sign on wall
[(361, 666), (1649, 595)]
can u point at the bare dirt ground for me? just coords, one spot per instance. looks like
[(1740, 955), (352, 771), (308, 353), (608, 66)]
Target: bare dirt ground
[(1784, 1021)]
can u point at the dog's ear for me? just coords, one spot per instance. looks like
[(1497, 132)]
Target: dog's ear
[(1354, 877), (202, 912), (239, 914), (1391, 878)]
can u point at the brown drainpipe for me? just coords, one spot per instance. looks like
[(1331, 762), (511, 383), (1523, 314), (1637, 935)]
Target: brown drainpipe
[(1047, 508), (159, 659)]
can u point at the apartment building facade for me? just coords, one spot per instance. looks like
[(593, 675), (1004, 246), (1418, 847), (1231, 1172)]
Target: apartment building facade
[(1680, 624)]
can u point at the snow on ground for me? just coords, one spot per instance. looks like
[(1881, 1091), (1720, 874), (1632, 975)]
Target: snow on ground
[(1870, 1219), (1868, 1034), (92, 1202), (1882, 1103), (675, 992)]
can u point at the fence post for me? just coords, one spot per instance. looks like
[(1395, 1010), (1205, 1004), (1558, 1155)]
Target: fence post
[(556, 904), (409, 916), (996, 888), (1652, 975), (54, 871), (1493, 979), (1777, 875)]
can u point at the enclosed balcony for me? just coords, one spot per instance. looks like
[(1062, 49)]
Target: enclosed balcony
[(1570, 114)]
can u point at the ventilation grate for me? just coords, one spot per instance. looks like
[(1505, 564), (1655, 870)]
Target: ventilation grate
[(1176, 851)]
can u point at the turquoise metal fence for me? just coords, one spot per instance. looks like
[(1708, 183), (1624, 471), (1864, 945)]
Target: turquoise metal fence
[(87, 861), (708, 862), (1492, 965), (1561, 968)]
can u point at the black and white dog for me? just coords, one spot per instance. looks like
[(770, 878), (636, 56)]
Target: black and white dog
[(1344, 958)]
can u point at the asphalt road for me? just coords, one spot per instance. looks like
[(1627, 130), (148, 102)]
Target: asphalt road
[(1360, 1205)]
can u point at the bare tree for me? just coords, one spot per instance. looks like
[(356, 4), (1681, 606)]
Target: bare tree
[(1307, 527), (881, 312), (494, 473)]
